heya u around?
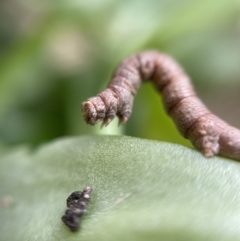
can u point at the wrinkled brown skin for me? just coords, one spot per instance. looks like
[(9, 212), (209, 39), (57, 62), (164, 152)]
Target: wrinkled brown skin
[(207, 132)]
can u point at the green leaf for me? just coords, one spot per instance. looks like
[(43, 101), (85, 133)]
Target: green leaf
[(142, 190)]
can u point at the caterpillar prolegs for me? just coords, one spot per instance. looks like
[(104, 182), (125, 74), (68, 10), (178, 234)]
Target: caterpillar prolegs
[(194, 120)]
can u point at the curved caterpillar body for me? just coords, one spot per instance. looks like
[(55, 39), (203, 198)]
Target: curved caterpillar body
[(194, 121)]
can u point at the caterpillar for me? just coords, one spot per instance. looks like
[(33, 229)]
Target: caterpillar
[(207, 132)]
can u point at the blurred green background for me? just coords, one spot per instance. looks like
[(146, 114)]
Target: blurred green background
[(56, 54)]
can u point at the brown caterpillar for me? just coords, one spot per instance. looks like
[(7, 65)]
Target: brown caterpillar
[(194, 121)]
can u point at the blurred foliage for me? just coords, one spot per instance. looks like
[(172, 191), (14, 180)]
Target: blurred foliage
[(54, 56)]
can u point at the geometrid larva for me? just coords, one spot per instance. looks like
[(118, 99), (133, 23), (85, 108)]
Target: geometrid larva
[(205, 130)]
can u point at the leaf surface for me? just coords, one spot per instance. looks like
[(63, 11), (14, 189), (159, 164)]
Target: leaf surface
[(143, 190)]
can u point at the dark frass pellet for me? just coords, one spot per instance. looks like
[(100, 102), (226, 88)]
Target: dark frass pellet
[(76, 203)]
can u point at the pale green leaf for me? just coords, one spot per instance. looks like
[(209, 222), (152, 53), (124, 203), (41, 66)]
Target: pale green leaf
[(142, 190)]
